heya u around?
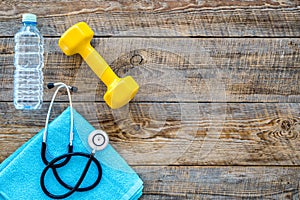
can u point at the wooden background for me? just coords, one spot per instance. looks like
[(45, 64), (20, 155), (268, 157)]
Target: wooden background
[(217, 115)]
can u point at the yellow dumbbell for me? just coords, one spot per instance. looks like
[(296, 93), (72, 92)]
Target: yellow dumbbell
[(77, 40)]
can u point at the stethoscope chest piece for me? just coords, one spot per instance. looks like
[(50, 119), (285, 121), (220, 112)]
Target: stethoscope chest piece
[(98, 140)]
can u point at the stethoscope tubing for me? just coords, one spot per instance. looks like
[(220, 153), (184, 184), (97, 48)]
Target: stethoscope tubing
[(43, 155), (85, 188), (60, 85), (75, 188)]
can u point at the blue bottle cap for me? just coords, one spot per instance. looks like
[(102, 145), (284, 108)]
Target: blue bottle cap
[(29, 18)]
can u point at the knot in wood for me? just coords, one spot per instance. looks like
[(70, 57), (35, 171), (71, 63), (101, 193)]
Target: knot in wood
[(137, 127), (286, 125), (282, 130), (136, 59), (288, 129)]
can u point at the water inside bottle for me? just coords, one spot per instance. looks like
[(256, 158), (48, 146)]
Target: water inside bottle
[(28, 76)]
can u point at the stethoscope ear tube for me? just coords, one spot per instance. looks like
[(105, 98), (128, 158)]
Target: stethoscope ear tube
[(44, 145), (60, 85)]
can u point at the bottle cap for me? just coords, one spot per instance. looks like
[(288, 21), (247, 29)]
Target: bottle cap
[(29, 18)]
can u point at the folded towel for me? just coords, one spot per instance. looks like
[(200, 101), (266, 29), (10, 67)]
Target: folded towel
[(20, 173)]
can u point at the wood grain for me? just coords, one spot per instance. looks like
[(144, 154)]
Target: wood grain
[(177, 70), (271, 18), (220, 182), (196, 134), (217, 115)]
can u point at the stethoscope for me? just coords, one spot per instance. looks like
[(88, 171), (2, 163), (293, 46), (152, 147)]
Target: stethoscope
[(97, 140)]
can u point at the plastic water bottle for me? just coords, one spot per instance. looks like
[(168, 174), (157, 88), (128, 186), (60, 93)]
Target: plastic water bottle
[(29, 62)]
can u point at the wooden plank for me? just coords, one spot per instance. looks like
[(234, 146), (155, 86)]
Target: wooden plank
[(178, 133), (191, 70), (220, 182), (236, 18)]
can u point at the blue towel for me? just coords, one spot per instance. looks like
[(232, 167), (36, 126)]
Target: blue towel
[(20, 173)]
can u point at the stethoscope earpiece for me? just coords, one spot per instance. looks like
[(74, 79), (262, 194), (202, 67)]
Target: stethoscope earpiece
[(98, 140), (74, 89), (50, 85)]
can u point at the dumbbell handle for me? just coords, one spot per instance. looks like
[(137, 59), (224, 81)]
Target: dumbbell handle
[(98, 65)]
